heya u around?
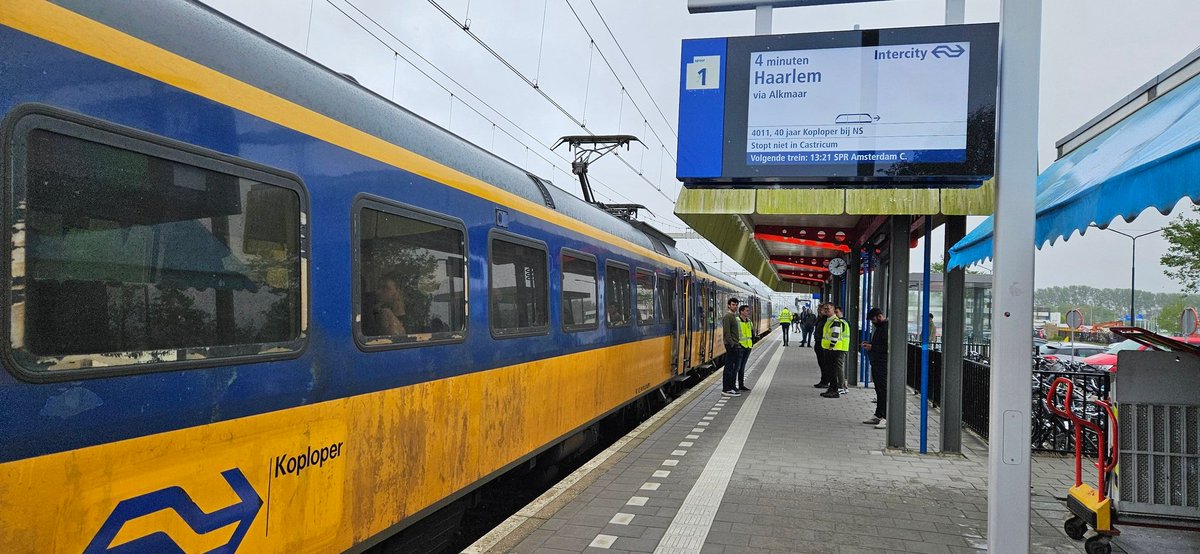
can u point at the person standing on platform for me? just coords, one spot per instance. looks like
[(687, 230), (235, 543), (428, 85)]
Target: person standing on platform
[(835, 341), (818, 323), (785, 323), (731, 332), (877, 349), (746, 340), (808, 322)]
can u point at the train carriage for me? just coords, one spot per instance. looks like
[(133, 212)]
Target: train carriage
[(253, 306)]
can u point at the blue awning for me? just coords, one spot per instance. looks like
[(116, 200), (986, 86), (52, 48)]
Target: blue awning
[(1149, 159)]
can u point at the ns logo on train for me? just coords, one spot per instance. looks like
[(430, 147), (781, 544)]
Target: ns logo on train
[(175, 498)]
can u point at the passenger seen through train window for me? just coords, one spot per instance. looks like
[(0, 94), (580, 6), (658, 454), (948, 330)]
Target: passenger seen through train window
[(412, 279)]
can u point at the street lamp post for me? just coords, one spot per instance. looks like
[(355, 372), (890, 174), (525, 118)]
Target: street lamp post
[(1132, 266)]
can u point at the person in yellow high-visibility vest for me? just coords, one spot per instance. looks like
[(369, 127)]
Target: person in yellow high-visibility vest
[(746, 340), (835, 341), (785, 323)]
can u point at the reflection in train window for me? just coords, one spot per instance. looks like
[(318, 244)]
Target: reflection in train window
[(412, 279), (131, 258), (519, 291), (617, 304), (645, 297), (579, 292), (666, 298)]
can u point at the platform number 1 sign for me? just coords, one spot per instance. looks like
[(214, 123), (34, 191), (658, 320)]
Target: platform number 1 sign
[(704, 73)]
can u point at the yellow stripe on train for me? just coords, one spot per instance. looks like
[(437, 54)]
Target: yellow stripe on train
[(398, 452)]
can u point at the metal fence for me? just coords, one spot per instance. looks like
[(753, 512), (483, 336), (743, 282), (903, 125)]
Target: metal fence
[(1048, 432)]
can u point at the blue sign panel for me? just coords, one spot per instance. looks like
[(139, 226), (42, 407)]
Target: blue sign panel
[(701, 109), (890, 107)]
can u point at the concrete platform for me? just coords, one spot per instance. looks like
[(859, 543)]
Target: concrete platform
[(781, 469)]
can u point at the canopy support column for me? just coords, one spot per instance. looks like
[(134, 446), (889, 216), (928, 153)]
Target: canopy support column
[(897, 361), (853, 281), (953, 303)]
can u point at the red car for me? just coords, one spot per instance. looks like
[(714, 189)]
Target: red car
[(1108, 358)]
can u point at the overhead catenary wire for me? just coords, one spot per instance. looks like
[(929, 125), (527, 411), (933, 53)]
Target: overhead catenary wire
[(557, 105), (465, 89), (611, 69), (635, 71)]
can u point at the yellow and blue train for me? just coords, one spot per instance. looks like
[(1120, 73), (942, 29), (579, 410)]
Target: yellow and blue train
[(252, 306)]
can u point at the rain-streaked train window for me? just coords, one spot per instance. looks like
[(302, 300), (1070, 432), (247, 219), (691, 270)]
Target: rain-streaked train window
[(645, 297), (618, 306), (519, 288), (128, 252), (579, 292), (412, 278)]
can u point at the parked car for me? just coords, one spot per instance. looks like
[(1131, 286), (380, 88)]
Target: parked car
[(1107, 360), (1058, 351)]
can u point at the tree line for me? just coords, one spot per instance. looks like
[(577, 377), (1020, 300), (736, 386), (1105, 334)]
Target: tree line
[(1103, 305)]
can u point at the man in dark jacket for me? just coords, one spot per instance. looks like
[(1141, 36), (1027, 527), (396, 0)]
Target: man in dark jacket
[(819, 323), (877, 352), (731, 333), (808, 324)]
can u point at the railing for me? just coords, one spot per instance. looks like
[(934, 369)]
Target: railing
[(1048, 432), (976, 402), (935, 372)]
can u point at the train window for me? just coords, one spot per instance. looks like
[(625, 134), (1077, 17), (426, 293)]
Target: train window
[(519, 290), (666, 298), (617, 301), (579, 292), (645, 297), (129, 253), (412, 277)]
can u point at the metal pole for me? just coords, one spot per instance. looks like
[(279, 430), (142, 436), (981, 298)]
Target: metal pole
[(864, 367), (925, 338), (1012, 277), (953, 315), (956, 13), (1132, 281), (853, 315), (762, 20), (897, 360)]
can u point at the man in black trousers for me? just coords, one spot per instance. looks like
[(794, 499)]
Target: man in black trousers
[(808, 324), (816, 344), (877, 351), (731, 332)]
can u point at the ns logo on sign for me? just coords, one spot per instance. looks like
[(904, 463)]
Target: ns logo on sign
[(175, 498)]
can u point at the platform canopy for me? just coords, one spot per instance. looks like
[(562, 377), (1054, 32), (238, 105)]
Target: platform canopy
[(1144, 152)]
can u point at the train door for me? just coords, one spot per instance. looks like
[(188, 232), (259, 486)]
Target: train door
[(712, 320), (684, 293), (702, 319)]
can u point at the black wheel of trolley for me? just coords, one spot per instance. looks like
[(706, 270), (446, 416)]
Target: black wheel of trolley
[(1097, 545), (1075, 528)]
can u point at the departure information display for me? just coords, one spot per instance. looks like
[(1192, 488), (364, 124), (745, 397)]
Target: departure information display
[(888, 107), (838, 105)]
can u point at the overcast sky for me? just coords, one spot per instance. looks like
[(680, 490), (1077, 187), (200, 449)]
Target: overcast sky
[(1094, 52)]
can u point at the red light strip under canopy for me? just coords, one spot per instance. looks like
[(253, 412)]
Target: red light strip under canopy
[(786, 275), (804, 280), (802, 242), (799, 266)]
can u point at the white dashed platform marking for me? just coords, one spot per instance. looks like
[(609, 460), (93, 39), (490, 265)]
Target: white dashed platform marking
[(603, 541), (692, 522)]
